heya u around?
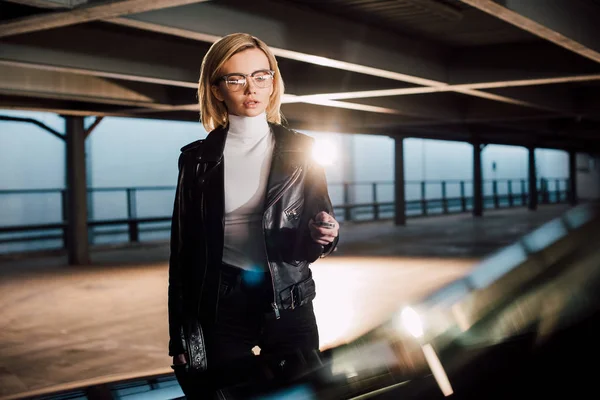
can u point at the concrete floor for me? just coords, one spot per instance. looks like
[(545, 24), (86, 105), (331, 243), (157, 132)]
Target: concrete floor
[(62, 324)]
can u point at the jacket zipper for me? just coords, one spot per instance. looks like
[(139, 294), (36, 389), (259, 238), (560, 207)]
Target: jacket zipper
[(292, 180)]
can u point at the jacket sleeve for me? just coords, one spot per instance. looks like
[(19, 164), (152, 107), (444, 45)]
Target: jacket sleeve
[(177, 343), (316, 199)]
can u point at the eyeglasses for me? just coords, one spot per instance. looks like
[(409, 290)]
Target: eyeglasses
[(262, 78)]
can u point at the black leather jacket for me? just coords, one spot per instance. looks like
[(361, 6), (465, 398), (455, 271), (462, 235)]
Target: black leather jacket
[(296, 192)]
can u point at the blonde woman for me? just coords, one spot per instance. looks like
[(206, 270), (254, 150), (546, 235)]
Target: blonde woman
[(251, 213)]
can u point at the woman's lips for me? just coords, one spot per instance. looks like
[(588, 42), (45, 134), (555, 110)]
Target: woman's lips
[(251, 103)]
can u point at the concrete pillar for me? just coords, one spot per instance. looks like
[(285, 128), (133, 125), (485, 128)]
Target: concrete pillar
[(533, 193), (77, 231), (572, 189), (89, 184), (399, 191), (348, 174), (477, 181)]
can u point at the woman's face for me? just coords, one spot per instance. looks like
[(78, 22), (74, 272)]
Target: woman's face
[(249, 100)]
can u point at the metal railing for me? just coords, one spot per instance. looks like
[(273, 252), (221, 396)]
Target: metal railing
[(425, 198), (354, 201)]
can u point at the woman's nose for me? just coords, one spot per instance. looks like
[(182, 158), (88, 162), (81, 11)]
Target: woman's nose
[(250, 86)]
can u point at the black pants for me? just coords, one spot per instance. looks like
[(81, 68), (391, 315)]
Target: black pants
[(245, 319)]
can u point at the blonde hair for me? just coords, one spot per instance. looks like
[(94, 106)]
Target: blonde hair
[(213, 112)]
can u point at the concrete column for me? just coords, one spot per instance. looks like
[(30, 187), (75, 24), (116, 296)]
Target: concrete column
[(477, 181), (348, 174), (572, 189), (89, 184), (533, 193), (399, 192), (77, 231)]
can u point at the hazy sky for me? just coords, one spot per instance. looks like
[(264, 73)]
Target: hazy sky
[(139, 152)]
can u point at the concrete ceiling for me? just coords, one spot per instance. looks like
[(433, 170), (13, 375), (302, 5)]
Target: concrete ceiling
[(503, 71)]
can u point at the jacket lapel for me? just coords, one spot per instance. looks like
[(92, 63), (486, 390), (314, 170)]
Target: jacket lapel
[(214, 145), (287, 161), (211, 156)]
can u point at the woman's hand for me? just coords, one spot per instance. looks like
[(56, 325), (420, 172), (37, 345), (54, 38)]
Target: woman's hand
[(321, 233)]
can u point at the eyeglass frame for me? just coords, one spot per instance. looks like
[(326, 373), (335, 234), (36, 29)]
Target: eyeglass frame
[(224, 77)]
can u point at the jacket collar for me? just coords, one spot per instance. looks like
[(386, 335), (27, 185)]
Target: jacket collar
[(214, 144)]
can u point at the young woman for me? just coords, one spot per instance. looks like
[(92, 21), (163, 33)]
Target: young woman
[(251, 213)]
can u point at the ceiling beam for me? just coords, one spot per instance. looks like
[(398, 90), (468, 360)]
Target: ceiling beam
[(538, 105), (533, 60), (85, 13), (157, 73), (54, 52), (558, 99), (448, 88), (60, 109), (28, 60), (50, 3), (570, 24), (138, 22), (53, 84), (330, 41), (186, 27), (534, 64)]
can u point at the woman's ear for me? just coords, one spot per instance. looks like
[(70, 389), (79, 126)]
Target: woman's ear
[(216, 91)]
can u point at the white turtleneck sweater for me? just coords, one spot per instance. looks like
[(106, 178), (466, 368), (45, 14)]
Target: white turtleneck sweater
[(248, 153)]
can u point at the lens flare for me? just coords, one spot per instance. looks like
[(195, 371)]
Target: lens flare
[(324, 152)]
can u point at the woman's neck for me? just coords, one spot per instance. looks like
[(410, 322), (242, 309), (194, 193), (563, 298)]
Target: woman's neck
[(248, 127)]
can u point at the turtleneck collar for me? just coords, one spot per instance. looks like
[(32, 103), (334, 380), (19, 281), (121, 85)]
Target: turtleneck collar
[(248, 127)]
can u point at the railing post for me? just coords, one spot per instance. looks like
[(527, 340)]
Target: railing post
[(444, 199), (423, 199), (463, 199), (495, 193), (134, 234), (523, 194), (64, 199), (375, 204), (510, 194), (347, 210)]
